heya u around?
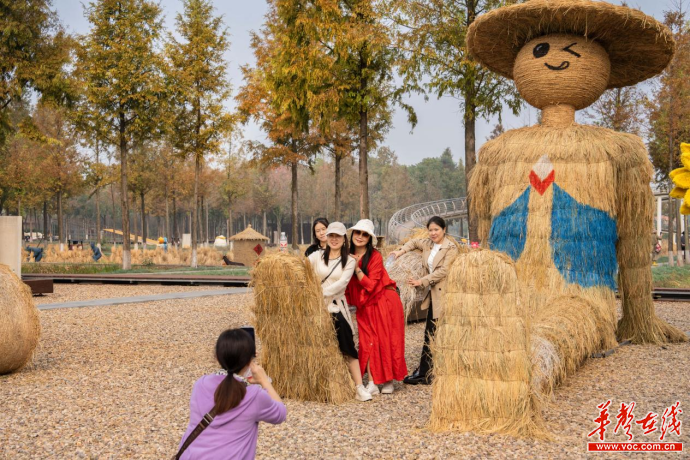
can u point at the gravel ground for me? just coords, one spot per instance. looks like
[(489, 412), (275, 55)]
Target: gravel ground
[(75, 292), (114, 382)]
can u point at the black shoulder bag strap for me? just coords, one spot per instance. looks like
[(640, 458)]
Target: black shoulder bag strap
[(329, 275), (205, 421)]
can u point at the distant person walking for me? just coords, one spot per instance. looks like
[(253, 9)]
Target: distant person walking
[(334, 267), (318, 233), (438, 253), (380, 314), (232, 404)]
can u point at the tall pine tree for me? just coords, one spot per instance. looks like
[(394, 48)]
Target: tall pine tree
[(121, 71), (199, 85)]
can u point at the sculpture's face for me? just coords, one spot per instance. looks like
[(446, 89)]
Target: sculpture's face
[(561, 69)]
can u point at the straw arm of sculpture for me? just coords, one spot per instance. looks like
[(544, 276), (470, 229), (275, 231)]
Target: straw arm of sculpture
[(479, 198), (634, 214)]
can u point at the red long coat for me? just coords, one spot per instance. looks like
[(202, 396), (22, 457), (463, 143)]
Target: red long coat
[(380, 321)]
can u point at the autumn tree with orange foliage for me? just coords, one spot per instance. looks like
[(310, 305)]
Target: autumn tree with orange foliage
[(276, 94)]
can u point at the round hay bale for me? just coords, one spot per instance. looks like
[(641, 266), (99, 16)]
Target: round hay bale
[(20, 327), (299, 349)]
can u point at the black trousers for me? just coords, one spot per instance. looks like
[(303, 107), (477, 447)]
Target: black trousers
[(425, 362)]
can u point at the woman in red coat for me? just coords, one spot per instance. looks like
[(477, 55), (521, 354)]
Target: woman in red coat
[(380, 316)]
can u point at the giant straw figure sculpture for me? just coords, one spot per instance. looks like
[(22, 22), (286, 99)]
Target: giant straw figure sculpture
[(571, 207)]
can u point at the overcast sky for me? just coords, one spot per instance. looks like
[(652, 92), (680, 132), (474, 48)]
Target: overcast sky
[(440, 120)]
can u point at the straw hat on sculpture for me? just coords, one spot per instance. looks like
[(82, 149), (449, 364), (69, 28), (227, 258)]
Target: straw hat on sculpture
[(564, 213)]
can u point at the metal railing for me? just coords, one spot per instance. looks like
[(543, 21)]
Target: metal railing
[(417, 215)]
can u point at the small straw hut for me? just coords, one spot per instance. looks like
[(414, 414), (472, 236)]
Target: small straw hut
[(248, 246)]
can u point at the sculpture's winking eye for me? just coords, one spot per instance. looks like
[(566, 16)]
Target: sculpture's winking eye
[(575, 53)]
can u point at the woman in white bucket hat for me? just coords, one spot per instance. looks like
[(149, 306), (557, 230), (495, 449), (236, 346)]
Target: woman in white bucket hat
[(380, 316)]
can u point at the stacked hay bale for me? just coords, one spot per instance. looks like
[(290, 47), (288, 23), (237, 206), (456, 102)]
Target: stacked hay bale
[(19, 328), (482, 368), (248, 246), (298, 343)]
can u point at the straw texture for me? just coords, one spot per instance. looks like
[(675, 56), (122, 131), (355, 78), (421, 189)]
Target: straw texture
[(299, 347), (638, 45), (158, 256), (482, 368), (572, 207), (603, 171), (19, 325), (249, 234), (408, 265), (580, 82)]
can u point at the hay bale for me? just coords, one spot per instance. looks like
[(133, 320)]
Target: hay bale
[(20, 327), (299, 347), (408, 265), (482, 369)]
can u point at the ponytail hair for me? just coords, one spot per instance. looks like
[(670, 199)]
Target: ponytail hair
[(235, 349)]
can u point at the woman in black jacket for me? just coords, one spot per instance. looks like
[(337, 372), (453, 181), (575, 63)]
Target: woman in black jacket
[(318, 232)]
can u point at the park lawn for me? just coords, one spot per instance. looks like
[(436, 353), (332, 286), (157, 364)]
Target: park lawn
[(671, 277)]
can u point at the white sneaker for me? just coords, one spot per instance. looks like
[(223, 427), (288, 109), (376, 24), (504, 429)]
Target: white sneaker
[(362, 394), (372, 388), (388, 388)]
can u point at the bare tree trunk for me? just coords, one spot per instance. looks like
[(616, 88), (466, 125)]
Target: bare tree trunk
[(134, 221), (470, 159), (195, 209), (338, 185), (301, 229), (686, 239), (167, 213), (112, 199), (126, 254), (229, 224), (176, 227), (61, 229), (363, 167), (295, 198), (143, 220), (208, 235), (45, 220), (671, 220), (679, 239), (265, 229)]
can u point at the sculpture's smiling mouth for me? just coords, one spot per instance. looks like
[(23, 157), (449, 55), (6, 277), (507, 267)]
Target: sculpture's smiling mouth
[(564, 65)]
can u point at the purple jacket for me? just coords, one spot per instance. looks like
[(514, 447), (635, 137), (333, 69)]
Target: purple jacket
[(233, 434)]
